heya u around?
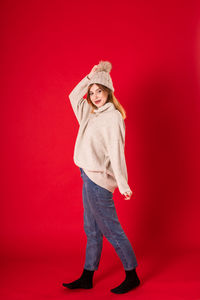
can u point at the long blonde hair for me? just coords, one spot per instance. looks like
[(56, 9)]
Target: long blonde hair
[(111, 98)]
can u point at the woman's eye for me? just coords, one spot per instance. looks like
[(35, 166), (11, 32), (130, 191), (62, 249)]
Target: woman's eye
[(99, 91)]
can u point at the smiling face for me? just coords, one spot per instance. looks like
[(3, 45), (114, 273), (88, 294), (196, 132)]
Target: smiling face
[(98, 96)]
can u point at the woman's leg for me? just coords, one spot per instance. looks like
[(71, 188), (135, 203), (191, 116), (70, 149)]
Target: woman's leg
[(93, 248), (102, 208), (94, 235)]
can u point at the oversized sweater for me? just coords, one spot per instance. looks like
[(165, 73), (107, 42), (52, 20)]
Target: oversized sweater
[(99, 146)]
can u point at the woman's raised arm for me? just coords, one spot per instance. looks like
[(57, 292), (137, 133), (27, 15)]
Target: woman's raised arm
[(79, 104)]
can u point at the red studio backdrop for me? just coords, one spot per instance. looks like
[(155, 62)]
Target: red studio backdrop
[(47, 48)]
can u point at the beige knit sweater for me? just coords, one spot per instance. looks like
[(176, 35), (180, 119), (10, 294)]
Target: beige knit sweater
[(99, 146)]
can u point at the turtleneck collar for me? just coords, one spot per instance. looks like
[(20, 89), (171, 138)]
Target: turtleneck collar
[(106, 107)]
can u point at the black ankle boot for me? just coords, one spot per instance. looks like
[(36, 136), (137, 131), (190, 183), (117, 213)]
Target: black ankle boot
[(131, 281), (84, 282)]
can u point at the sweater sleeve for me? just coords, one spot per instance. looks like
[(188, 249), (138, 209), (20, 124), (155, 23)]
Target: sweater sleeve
[(115, 140), (79, 104)]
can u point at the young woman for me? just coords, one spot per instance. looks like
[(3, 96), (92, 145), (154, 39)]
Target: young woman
[(99, 154)]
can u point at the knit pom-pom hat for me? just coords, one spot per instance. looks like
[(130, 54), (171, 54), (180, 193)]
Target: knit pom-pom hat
[(102, 75)]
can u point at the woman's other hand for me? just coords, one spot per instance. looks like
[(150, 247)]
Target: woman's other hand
[(127, 195)]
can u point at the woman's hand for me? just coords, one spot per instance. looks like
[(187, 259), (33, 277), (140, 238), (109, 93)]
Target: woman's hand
[(92, 71), (127, 195)]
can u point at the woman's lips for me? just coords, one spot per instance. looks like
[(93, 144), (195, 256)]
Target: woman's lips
[(97, 101)]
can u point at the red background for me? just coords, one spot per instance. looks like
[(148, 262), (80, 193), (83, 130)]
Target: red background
[(47, 48)]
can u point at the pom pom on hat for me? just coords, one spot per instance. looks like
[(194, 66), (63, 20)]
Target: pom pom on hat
[(105, 66)]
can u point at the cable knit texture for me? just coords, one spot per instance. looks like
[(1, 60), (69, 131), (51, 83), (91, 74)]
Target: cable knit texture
[(99, 146)]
